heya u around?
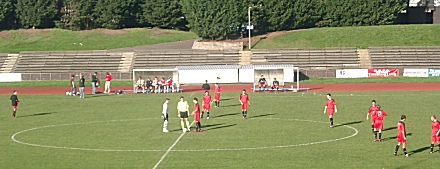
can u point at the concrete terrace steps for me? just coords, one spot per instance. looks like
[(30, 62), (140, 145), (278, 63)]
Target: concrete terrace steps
[(9, 63), (364, 58)]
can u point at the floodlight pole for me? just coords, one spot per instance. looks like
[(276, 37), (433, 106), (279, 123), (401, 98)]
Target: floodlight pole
[(249, 26)]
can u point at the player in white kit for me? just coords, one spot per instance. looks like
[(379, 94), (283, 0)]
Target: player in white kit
[(165, 115)]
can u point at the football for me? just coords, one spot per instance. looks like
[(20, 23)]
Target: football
[(184, 130)]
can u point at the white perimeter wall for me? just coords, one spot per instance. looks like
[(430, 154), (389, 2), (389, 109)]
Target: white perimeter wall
[(199, 76), (10, 77)]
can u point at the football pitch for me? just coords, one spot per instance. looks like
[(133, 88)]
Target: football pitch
[(283, 130)]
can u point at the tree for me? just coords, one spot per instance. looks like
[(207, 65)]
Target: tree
[(115, 14), (77, 14), (7, 14), (162, 14), (279, 14), (36, 13), (213, 19)]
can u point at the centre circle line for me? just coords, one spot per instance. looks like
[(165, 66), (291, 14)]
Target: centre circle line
[(13, 137)]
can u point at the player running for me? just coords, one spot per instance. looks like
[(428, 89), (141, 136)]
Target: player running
[(182, 112), (244, 101), (196, 114), (435, 136), (378, 123), (206, 104), (14, 100), (218, 90), (330, 107), (373, 108), (165, 115), (401, 136)]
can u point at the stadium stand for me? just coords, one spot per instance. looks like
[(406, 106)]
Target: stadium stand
[(173, 58), (405, 57), (68, 61), (3, 58), (309, 58)]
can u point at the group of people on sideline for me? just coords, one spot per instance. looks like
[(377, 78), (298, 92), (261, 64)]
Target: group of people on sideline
[(95, 84), (156, 85)]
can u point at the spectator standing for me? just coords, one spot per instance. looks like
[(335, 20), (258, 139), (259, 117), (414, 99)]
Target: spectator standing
[(94, 81), (108, 79), (206, 86), (72, 86), (81, 87)]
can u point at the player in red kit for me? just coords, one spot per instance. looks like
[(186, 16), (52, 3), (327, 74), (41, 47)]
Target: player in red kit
[(373, 108), (330, 108), (196, 114), (401, 136), (206, 104), (218, 90), (162, 84), (378, 123), (435, 136), (244, 101)]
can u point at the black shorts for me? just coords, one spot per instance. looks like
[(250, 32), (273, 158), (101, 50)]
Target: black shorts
[(165, 118), (183, 114)]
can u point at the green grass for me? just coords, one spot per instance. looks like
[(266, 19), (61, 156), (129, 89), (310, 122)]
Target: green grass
[(57, 39), (361, 37), (132, 122), (308, 81)]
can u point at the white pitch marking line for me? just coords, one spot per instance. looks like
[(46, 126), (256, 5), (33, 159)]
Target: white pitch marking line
[(171, 147), (192, 94)]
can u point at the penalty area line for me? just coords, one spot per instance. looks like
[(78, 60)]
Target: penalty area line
[(171, 147)]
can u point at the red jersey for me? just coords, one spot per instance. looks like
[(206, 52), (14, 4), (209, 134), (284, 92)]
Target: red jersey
[(218, 89), (372, 109), (196, 108), (378, 115), (170, 82), (330, 104), (244, 98), (162, 82), (400, 129), (207, 99), (435, 127), (108, 77)]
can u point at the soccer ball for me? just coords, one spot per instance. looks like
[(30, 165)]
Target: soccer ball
[(185, 130), (67, 93)]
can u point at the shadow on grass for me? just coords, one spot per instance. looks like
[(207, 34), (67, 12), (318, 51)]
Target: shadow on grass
[(96, 95), (225, 99), (230, 114), (37, 114), (262, 115), (349, 123), (419, 150), (209, 125), (394, 137), (389, 128), (218, 127), (232, 105)]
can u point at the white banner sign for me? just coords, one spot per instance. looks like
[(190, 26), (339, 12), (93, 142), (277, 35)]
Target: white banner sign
[(415, 72), (10, 77), (351, 73)]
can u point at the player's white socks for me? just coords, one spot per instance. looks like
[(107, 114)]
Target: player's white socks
[(187, 125), (182, 124), (165, 124)]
